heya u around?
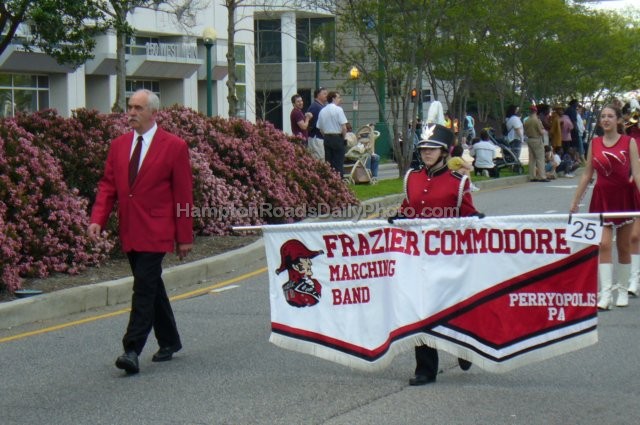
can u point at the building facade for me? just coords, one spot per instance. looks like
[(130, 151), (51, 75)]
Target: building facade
[(274, 52), (162, 56)]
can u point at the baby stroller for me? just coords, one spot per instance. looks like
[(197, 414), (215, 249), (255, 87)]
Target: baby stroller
[(506, 158), (359, 150)]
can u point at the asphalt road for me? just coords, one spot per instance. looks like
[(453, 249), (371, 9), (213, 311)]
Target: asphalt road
[(228, 372)]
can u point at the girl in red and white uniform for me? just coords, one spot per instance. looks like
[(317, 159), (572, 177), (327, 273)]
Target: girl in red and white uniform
[(434, 191), (614, 157)]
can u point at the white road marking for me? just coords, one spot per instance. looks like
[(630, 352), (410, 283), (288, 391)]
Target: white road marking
[(226, 288)]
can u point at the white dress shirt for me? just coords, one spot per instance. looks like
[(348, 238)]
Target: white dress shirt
[(146, 142)]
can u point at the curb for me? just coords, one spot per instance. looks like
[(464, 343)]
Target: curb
[(83, 298), (502, 182)]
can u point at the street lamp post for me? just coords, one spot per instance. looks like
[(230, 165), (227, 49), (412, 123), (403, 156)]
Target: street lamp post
[(382, 142), (209, 36), (317, 46), (355, 74)]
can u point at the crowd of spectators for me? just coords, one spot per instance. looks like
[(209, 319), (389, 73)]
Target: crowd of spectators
[(555, 136)]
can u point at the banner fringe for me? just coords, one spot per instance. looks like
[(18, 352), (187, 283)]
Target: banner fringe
[(562, 347)]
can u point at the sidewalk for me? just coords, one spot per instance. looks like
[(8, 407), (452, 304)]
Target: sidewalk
[(389, 170), (83, 298)]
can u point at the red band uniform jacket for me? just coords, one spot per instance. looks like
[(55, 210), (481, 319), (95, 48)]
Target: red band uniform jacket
[(154, 214), (429, 192)]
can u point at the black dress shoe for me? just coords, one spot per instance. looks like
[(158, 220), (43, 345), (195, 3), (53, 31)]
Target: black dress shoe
[(464, 364), (421, 380), (166, 353), (128, 362)]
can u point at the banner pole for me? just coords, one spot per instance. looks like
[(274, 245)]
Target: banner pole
[(629, 214), (246, 228), (632, 214)]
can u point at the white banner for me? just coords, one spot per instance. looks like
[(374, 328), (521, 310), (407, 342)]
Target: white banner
[(500, 292)]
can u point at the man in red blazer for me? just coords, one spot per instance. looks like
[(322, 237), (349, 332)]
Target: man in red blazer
[(148, 172)]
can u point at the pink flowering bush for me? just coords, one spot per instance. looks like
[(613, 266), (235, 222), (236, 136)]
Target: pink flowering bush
[(272, 169), (42, 221), (50, 167), (80, 144)]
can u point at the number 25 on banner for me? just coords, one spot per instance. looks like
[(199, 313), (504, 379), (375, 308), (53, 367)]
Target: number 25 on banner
[(584, 231)]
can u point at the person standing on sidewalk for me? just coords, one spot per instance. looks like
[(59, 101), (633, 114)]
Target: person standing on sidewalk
[(614, 156), (299, 120), (514, 127), (148, 172), (534, 131), (332, 122), (576, 137), (566, 129), (316, 142)]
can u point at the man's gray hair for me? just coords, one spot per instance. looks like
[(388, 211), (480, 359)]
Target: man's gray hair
[(153, 101)]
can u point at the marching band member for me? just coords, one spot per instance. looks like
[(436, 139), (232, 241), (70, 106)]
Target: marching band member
[(434, 188), (631, 113), (614, 157), (634, 274)]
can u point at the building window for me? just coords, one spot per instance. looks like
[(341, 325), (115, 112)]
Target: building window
[(426, 95), (307, 30), (241, 81), (23, 93), (394, 86), (267, 41), (133, 85)]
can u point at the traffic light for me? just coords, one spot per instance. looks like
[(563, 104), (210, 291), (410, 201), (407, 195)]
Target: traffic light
[(414, 94)]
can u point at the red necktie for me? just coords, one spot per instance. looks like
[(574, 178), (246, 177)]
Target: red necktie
[(135, 161)]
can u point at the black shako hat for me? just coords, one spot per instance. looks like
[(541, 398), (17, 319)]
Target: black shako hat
[(435, 136)]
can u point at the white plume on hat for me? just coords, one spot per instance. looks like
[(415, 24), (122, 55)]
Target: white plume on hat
[(435, 136), (435, 115)]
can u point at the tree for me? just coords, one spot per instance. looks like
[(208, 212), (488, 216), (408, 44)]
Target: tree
[(232, 98), (233, 19), (391, 42), (64, 29), (458, 53), (565, 57), (114, 14)]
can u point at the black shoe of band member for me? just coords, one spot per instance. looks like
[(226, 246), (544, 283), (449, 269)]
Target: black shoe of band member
[(165, 353), (464, 364), (421, 380), (128, 362)]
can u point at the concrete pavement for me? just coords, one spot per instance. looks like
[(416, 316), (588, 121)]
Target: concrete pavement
[(83, 298), (389, 170)]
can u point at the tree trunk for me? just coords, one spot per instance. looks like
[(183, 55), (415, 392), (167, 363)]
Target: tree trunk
[(121, 72), (232, 5)]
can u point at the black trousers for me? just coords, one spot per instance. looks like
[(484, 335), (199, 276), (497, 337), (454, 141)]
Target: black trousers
[(426, 361), (334, 150), (150, 306)]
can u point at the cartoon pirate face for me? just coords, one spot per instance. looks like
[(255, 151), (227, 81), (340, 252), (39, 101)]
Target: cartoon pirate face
[(300, 290), (304, 267)]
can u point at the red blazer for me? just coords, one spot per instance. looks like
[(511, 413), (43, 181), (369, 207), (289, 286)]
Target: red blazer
[(439, 193), (153, 213)]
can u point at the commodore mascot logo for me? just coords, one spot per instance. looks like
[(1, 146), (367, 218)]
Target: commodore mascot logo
[(300, 290)]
